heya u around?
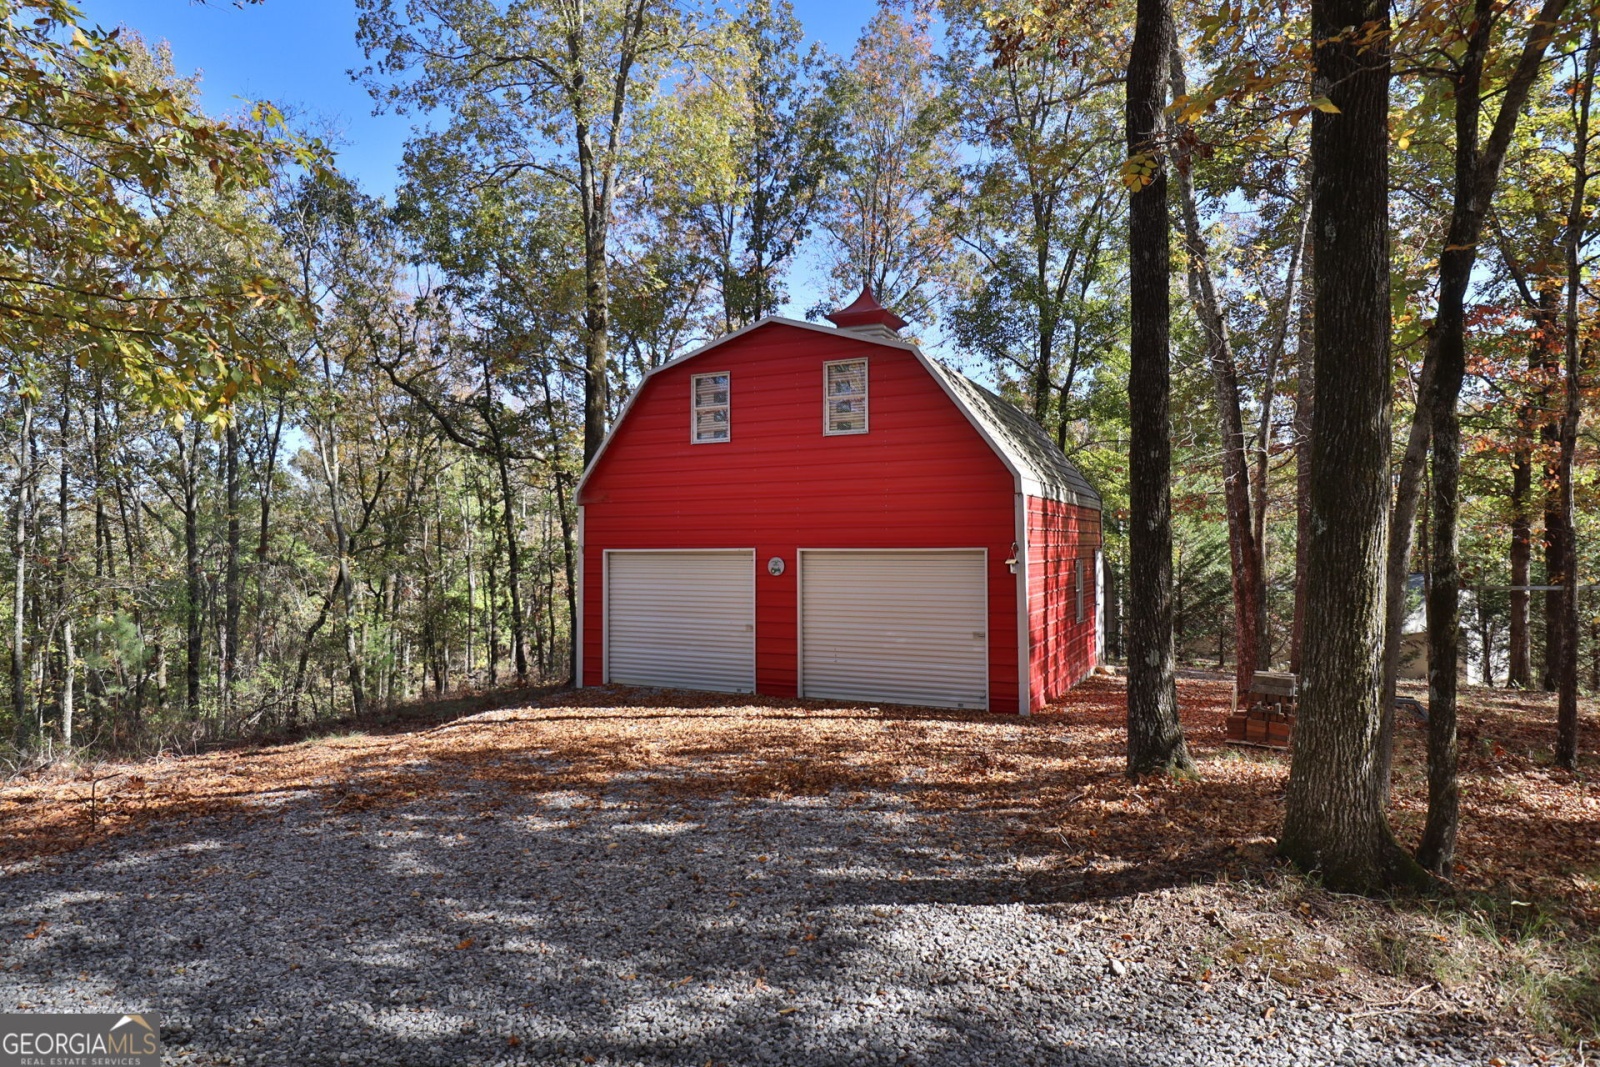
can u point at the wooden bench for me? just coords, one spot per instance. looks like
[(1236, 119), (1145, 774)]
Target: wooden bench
[(1267, 718)]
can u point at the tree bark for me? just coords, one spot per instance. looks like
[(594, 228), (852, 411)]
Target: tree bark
[(194, 636), (1576, 348), (1555, 552), (230, 578), (597, 176), (1155, 735), (1334, 820), (267, 474), (64, 560), (1520, 665), (1263, 446), (519, 642), (1244, 553), (1402, 527), (1304, 420), (1437, 850), (21, 500)]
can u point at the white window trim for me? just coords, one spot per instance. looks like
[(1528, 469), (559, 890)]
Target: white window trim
[(827, 398), (694, 411)]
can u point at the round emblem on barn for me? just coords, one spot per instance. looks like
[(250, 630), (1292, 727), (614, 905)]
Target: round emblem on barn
[(775, 566)]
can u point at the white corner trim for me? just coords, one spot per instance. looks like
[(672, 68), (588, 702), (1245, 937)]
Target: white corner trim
[(1024, 638)]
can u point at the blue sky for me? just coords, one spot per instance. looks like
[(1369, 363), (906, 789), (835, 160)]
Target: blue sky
[(296, 53)]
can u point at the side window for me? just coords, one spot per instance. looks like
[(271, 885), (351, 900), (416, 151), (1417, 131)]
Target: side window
[(844, 397), (709, 418)]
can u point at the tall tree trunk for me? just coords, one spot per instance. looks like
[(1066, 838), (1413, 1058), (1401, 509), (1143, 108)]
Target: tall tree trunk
[(492, 597), (21, 499), (194, 590), (1520, 669), (268, 472), (230, 577), (1567, 672), (519, 643), (1486, 634), (63, 560), (1576, 347), (68, 699), (305, 652), (472, 580), (104, 561), (568, 543), (1259, 486), (1304, 420), (1334, 819), (1555, 552), (1437, 850), (1113, 606), (1155, 735), (330, 457), (569, 562), (1243, 551), (594, 197), (1594, 655), (354, 654)]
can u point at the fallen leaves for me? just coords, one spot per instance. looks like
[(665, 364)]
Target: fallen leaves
[(1052, 784)]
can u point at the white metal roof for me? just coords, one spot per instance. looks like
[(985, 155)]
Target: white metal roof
[(1037, 465)]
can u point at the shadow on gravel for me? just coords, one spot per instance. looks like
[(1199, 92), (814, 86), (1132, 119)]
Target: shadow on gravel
[(486, 924)]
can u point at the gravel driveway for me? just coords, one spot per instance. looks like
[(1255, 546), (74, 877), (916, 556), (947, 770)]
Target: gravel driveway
[(497, 920)]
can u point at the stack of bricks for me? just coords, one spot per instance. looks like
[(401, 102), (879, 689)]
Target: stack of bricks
[(1262, 724), (1269, 719)]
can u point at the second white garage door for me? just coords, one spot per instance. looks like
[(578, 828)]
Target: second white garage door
[(682, 620), (901, 627)]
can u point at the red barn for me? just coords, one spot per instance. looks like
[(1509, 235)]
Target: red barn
[(799, 510)]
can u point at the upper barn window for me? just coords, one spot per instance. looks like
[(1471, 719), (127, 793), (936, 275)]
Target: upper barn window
[(845, 396), (710, 415)]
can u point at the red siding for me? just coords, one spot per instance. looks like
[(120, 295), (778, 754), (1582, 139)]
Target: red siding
[(921, 478), (1063, 652)]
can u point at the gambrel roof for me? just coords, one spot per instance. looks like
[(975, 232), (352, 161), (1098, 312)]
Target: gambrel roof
[(1046, 470), (1039, 467)]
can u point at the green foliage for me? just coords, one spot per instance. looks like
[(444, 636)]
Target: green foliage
[(1041, 306), (745, 190), (889, 197), (102, 151)]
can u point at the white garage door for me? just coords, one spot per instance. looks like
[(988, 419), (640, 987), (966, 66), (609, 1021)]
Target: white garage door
[(683, 620), (895, 626)]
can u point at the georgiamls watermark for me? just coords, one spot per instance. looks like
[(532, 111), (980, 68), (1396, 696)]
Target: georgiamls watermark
[(80, 1040)]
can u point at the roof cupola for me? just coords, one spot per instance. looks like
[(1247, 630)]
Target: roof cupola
[(867, 316)]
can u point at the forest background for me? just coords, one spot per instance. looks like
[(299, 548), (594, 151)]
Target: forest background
[(278, 450)]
